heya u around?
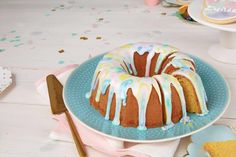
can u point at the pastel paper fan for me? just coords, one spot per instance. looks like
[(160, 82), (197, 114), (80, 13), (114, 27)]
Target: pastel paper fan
[(5, 78)]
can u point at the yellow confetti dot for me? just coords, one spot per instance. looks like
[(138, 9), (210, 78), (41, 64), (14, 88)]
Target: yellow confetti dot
[(190, 124)]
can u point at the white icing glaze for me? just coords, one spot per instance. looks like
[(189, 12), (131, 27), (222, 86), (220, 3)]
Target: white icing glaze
[(117, 71), (165, 82), (180, 61)]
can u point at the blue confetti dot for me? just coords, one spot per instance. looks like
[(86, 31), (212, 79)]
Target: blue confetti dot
[(61, 62), (17, 45), (165, 45), (3, 39), (73, 34), (139, 48), (1, 50)]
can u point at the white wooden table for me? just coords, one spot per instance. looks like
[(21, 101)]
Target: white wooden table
[(31, 34)]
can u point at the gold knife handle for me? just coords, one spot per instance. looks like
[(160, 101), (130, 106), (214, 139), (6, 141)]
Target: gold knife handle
[(78, 142)]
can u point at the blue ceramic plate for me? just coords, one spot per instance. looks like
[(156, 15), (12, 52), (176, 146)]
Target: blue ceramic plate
[(79, 82)]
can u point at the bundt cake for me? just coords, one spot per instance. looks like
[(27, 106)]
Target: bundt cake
[(147, 85)]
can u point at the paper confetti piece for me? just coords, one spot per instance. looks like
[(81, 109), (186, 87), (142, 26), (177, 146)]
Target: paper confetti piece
[(61, 62), (3, 39), (17, 45), (14, 40), (83, 38), (61, 51), (73, 34), (2, 50)]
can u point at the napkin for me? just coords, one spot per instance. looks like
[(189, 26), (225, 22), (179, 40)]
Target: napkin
[(99, 142), (5, 79)]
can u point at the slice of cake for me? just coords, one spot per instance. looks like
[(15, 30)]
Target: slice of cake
[(221, 149)]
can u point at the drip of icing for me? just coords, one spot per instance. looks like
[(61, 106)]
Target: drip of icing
[(165, 86), (116, 120), (196, 81), (166, 82), (148, 64), (110, 95), (142, 91), (162, 56), (124, 89)]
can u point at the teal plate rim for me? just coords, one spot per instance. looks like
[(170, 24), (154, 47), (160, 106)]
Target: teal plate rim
[(79, 83)]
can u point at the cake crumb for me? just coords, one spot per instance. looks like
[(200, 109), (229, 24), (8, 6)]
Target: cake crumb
[(61, 51), (100, 19), (83, 38)]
